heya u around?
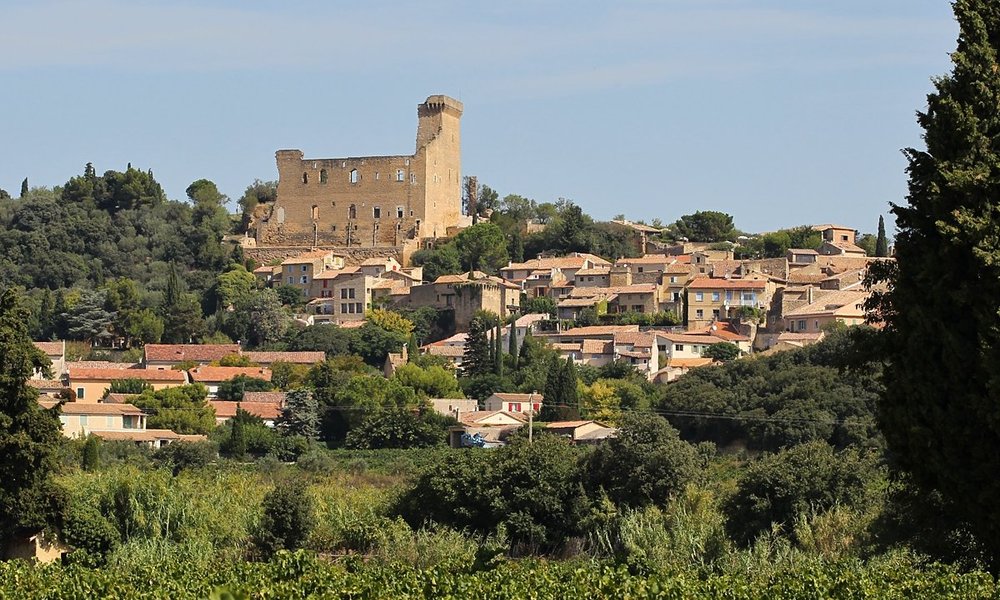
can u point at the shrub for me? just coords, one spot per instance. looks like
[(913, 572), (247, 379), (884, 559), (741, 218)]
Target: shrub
[(289, 517), (777, 488)]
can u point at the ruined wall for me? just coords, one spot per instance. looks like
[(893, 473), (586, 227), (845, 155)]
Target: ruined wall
[(264, 255), (375, 200)]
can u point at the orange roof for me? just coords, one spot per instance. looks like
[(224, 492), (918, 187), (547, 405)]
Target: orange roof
[(186, 352), (512, 397), (335, 273), (654, 259), (688, 363), (638, 339), (597, 347), (706, 283), (301, 358), (473, 416), (147, 435), (98, 408), (50, 348), (574, 261), (688, 338), (225, 409), (567, 424), (265, 397), (45, 384), (213, 374), (599, 330), (307, 257), (78, 374)]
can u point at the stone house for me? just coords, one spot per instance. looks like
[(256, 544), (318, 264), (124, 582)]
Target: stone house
[(165, 356), (710, 300), (89, 384), (514, 403)]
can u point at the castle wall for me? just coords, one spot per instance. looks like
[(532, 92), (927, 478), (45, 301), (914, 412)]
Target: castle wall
[(372, 201)]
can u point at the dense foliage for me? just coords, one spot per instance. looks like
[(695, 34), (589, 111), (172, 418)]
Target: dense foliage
[(942, 335)]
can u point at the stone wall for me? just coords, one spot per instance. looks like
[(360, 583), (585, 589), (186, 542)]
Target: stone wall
[(265, 255), (371, 201)]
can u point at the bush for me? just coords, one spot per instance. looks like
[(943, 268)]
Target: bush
[(186, 455), (809, 477), (395, 428), (289, 517), (646, 463), (85, 528)]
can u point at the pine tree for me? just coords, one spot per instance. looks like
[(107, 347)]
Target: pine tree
[(24, 187), (477, 359), (881, 243), (30, 436), (300, 416), (941, 407)]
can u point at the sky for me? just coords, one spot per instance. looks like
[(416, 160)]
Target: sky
[(778, 112)]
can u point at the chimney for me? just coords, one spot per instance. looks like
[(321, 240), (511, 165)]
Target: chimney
[(809, 294)]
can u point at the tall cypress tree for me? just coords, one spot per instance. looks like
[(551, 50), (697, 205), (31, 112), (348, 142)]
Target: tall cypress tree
[(881, 243), (24, 187), (477, 358), (941, 409), (30, 436), (512, 346)]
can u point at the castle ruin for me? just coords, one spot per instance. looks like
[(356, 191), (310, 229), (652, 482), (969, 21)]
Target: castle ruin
[(371, 201)]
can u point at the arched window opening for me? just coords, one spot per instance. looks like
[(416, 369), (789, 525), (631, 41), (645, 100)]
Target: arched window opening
[(352, 212), (315, 213), (323, 176), (354, 175), (305, 178)]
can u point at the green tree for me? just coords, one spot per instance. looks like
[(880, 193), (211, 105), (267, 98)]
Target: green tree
[(91, 453), (289, 516), (705, 226), (646, 463), (233, 389), (300, 415), (182, 409), (881, 243), (482, 247), (258, 319), (30, 436), (722, 351), (780, 487), (940, 410), (395, 428), (476, 360), (440, 260), (24, 187), (233, 286), (131, 385)]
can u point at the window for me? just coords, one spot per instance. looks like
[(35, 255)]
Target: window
[(360, 307), (802, 325), (325, 281), (305, 268), (352, 212), (304, 279), (716, 297), (715, 313), (354, 175), (399, 212), (305, 178), (678, 347), (323, 176), (80, 393), (699, 296), (413, 177), (514, 407), (83, 420), (377, 212), (315, 212), (748, 296), (699, 314), (400, 175), (640, 269), (816, 325), (376, 175), (291, 280), (673, 280), (343, 308)]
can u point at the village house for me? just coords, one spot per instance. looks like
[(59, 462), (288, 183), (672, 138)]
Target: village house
[(640, 235), (166, 356), (710, 300), (676, 367), (269, 412), (581, 432), (514, 403), (596, 277), (89, 385), (266, 359), (468, 294), (56, 353), (845, 306), (212, 377), (484, 429), (267, 275), (567, 266), (299, 271), (454, 407), (114, 422), (451, 348)]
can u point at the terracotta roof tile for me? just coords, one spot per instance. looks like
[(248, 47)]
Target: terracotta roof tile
[(213, 374), (265, 397), (186, 352), (705, 283), (93, 408), (51, 348), (301, 358), (78, 374), (599, 330), (225, 409)]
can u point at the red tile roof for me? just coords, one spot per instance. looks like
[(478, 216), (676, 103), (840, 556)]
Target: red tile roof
[(705, 283), (225, 409), (599, 330), (193, 352), (301, 358), (97, 408), (78, 374), (265, 397), (214, 374), (50, 348)]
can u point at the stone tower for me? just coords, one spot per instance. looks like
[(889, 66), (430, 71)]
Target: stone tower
[(372, 201)]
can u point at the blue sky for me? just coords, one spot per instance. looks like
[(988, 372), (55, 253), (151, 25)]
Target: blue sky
[(779, 112)]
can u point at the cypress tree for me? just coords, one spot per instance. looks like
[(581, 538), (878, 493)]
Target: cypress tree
[(477, 358), (30, 436), (881, 243), (92, 453), (498, 350), (941, 408), (512, 346), (24, 187)]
